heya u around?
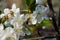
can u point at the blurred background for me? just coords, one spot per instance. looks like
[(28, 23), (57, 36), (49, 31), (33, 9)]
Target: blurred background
[(20, 3), (8, 4)]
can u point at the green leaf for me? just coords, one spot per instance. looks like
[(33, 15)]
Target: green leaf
[(27, 2), (46, 23), (38, 25), (31, 5), (32, 29)]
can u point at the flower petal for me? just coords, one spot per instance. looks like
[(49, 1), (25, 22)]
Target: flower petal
[(6, 11)]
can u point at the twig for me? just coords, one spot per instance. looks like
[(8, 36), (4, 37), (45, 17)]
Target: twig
[(53, 17)]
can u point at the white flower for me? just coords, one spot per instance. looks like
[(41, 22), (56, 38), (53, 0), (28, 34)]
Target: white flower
[(18, 10), (1, 27), (8, 36), (38, 1), (14, 9), (14, 23), (1, 30), (41, 1), (10, 16), (2, 15), (41, 13), (41, 9), (6, 11), (9, 30), (39, 18), (32, 19), (7, 23), (34, 14), (19, 31), (18, 20), (13, 6)]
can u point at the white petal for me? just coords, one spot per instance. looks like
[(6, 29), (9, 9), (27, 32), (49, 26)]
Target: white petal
[(41, 1), (14, 23), (22, 15), (18, 10), (9, 30), (34, 21), (3, 37), (6, 11), (22, 33), (14, 6), (46, 17), (9, 16), (35, 13), (39, 20), (2, 15), (38, 1), (27, 16), (1, 27), (41, 9), (43, 27)]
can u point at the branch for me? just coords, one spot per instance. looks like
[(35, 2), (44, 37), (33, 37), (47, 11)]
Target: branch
[(53, 17)]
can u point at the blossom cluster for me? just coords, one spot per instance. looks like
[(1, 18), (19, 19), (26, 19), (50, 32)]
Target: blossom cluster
[(16, 19)]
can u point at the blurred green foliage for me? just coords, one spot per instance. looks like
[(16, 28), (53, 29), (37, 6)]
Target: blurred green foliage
[(31, 5), (46, 23)]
